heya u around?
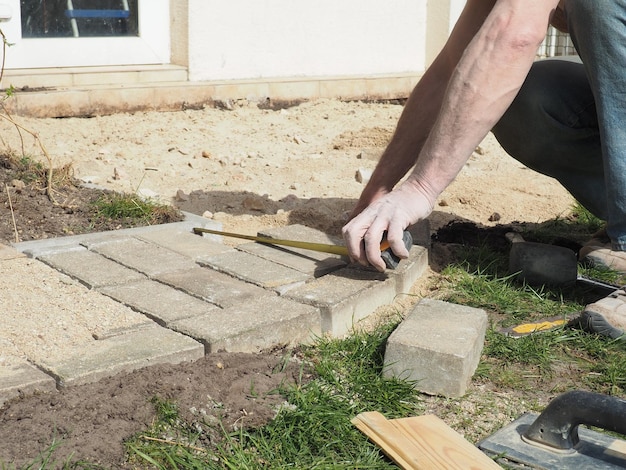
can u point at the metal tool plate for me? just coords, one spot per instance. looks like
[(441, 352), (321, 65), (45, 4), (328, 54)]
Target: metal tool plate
[(595, 451)]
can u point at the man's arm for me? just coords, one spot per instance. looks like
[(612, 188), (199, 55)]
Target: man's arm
[(422, 107), (483, 84)]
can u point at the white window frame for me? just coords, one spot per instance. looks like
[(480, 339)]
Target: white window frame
[(151, 47)]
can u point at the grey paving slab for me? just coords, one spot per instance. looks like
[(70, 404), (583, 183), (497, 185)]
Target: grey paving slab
[(253, 326), (410, 270), (302, 233), (259, 271), (137, 348), (345, 297), (306, 261), (90, 268), (185, 242), (22, 378), (142, 256), (438, 345), (212, 286), (162, 303)]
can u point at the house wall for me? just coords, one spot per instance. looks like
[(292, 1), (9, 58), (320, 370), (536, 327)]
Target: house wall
[(252, 39)]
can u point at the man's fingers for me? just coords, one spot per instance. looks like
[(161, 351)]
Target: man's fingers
[(372, 240), (395, 237)]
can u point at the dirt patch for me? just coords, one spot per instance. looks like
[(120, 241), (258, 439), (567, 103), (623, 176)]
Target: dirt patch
[(251, 169), (92, 421), (31, 213)]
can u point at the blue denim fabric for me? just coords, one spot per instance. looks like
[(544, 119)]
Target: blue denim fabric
[(569, 119)]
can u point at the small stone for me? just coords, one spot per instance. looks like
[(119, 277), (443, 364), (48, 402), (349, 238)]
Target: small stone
[(479, 150), (206, 154), (494, 217), (363, 175), (18, 184), (181, 196), (254, 203), (443, 203), (293, 186), (207, 214)]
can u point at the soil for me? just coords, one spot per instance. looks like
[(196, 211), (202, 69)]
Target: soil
[(251, 169)]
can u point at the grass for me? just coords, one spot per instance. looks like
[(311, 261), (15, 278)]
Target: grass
[(132, 209), (313, 429)]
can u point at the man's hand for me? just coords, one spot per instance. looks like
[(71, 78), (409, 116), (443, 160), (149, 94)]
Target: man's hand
[(391, 213)]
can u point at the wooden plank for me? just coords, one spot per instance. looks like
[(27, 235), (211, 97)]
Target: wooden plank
[(422, 442)]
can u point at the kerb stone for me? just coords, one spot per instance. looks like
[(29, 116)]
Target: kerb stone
[(437, 346)]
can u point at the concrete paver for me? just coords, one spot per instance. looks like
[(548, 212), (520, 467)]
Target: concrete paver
[(174, 296), (212, 286), (305, 261), (162, 303), (345, 297), (100, 270), (22, 378), (438, 346), (142, 256), (134, 349), (254, 326), (259, 271)]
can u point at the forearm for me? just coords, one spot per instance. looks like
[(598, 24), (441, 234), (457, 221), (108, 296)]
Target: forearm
[(422, 107), (482, 87)]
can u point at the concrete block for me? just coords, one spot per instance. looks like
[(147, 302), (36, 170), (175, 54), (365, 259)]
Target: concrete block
[(410, 270), (302, 233), (212, 286), (160, 302), (184, 242), (311, 263), (142, 256), (133, 350), (307, 261), (19, 377), (438, 346), (345, 297), (253, 326), (255, 270), (91, 269)]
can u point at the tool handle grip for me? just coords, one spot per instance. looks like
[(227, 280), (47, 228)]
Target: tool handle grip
[(557, 425)]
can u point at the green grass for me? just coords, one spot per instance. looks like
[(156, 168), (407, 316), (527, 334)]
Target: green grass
[(132, 209), (314, 430)]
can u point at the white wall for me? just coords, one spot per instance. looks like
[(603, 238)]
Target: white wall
[(242, 39)]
